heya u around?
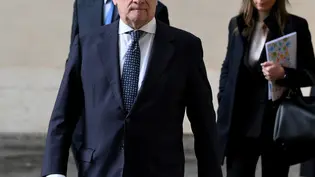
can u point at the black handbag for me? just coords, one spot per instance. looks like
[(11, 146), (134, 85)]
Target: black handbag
[(294, 128)]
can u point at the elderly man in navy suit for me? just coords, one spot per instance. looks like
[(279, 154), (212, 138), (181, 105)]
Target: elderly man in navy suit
[(133, 80), (87, 16)]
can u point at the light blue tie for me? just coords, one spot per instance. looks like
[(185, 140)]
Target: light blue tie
[(131, 70), (109, 13)]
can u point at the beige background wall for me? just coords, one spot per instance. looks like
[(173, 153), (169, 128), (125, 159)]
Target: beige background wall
[(34, 38)]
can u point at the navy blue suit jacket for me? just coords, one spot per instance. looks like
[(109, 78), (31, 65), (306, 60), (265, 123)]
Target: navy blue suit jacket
[(149, 137)]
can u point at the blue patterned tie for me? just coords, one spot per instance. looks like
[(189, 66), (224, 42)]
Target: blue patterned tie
[(131, 70)]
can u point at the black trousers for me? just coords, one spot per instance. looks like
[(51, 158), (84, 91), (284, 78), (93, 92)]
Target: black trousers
[(243, 155), (308, 168)]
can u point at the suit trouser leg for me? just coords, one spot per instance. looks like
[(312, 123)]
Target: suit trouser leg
[(307, 168), (273, 162), (243, 156), (243, 163), (272, 157), (242, 159)]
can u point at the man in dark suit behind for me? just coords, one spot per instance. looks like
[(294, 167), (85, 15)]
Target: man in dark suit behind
[(133, 80), (89, 15)]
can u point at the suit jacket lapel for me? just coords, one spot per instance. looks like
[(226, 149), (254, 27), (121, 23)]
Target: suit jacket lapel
[(274, 28), (273, 33), (241, 41), (162, 52), (109, 55)]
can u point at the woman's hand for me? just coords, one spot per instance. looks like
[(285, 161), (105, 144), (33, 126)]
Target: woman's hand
[(272, 71)]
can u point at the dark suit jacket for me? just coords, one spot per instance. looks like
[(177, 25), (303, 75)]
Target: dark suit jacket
[(87, 16), (150, 136), (230, 90)]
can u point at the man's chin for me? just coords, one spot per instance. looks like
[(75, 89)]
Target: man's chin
[(137, 21), (138, 15)]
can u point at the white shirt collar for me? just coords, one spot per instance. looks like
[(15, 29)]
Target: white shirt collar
[(148, 28)]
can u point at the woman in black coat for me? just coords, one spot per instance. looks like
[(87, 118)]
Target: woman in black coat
[(245, 115)]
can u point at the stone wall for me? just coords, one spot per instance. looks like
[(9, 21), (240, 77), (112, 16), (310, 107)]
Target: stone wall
[(34, 45)]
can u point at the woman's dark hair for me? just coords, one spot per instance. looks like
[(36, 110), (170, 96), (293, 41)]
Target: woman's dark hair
[(250, 14)]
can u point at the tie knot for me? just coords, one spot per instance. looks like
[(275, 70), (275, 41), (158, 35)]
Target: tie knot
[(135, 35)]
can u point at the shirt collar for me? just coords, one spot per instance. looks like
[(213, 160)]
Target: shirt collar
[(148, 28)]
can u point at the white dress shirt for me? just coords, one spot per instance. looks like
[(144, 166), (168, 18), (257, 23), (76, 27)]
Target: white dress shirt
[(145, 42), (257, 43)]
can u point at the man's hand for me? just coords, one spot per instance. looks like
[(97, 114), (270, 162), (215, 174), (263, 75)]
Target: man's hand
[(272, 71)]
